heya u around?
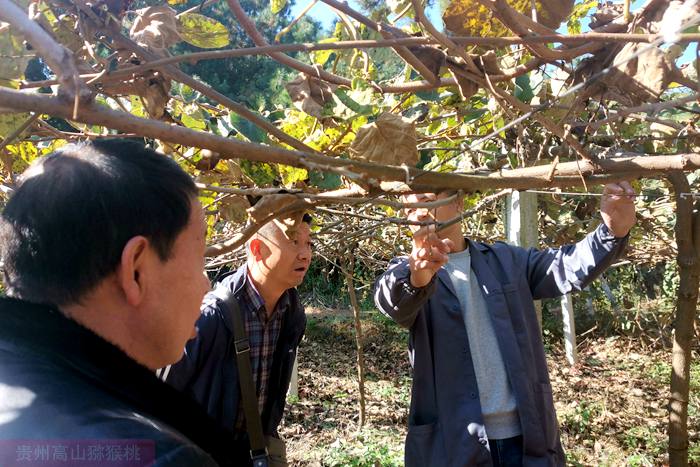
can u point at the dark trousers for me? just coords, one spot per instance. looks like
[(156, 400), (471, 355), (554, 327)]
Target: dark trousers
[(507, 452)]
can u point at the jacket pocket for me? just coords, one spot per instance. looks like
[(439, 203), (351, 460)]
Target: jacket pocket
[(424, 446)]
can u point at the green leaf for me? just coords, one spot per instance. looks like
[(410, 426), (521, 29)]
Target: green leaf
[(573, 23), (277, 5), (202, 31), (10, 122), (14, 58), (352, 104), (261, 173), (523, 90), (325, 181), (247, 129), (474, 115), (22, 155), (136, 106), (431, 95), (194, 121)]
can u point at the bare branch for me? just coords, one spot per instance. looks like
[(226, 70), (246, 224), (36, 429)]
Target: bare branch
[(592, 38), (12, 136), (59, 59), (249, 27), (645, 108), (178, 75)]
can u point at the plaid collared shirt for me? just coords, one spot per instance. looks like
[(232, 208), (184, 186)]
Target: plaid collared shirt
[(263, 334)]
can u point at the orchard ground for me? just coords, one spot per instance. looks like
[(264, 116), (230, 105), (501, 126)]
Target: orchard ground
[(611, 406)]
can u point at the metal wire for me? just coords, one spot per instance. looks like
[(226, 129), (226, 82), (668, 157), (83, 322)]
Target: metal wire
[(653, 195)]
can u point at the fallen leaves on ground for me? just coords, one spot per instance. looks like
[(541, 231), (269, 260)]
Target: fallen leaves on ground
[(611, 406)]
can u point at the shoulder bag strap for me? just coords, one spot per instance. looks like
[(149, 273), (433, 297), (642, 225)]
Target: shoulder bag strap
[(258, 448)]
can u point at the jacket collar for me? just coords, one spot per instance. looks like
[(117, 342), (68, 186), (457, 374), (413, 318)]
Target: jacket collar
[(488, 282), (483, 270), (43, 333)]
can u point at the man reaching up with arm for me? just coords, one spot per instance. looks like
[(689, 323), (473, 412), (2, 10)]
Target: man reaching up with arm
[(481, 393)]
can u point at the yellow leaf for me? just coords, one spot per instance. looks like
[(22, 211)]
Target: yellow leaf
[(202, 31)]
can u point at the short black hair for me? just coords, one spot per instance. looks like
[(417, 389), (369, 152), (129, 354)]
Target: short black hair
[(65, 227)]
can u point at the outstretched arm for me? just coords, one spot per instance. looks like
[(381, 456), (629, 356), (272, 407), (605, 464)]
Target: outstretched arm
[(554, 272)]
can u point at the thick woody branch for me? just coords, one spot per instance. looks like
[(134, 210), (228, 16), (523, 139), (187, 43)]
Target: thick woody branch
[(59, 59), (566, 174)]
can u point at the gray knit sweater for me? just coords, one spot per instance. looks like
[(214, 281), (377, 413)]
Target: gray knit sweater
[(497, 401)]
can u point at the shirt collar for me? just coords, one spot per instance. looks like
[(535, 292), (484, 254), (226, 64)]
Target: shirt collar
[(257, 301)]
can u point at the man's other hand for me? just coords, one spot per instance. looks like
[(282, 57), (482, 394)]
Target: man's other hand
[(429, 254), (617, 208)]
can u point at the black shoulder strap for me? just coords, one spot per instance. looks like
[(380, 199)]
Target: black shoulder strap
[(258, 449)]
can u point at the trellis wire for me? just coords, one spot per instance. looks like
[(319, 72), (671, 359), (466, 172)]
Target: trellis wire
[(654, 195)]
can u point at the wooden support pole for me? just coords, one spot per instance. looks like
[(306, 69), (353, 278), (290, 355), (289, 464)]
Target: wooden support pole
[(521, 226), (294, 383), (687, 236), (567, 315)]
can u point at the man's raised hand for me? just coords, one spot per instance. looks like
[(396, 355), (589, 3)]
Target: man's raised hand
[(428, 255), (617, 208)]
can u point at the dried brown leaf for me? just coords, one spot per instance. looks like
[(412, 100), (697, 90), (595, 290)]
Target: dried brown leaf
[(467, 88), (270, 204), (487, 63), (391, 139), (156, 94), (632, 80), (310, 94), (605, 14), (155, 28), (432, 57), (234, 208)]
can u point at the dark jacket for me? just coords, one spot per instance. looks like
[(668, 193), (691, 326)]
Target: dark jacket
[(60, 381), (209, 372), (446, 428)]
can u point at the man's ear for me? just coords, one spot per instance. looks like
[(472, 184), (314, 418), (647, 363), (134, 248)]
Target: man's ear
[(256, 246), (131, 273)]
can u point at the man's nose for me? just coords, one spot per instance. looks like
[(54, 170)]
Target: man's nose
[(304, 253)]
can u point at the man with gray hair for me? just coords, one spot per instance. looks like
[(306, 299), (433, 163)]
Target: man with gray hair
[(256, 310), (481, 394)]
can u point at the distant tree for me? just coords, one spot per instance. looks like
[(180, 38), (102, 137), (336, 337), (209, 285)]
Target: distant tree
[(256, 81)]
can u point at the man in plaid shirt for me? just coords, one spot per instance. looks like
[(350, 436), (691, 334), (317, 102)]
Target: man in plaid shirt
[(265, 291)]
